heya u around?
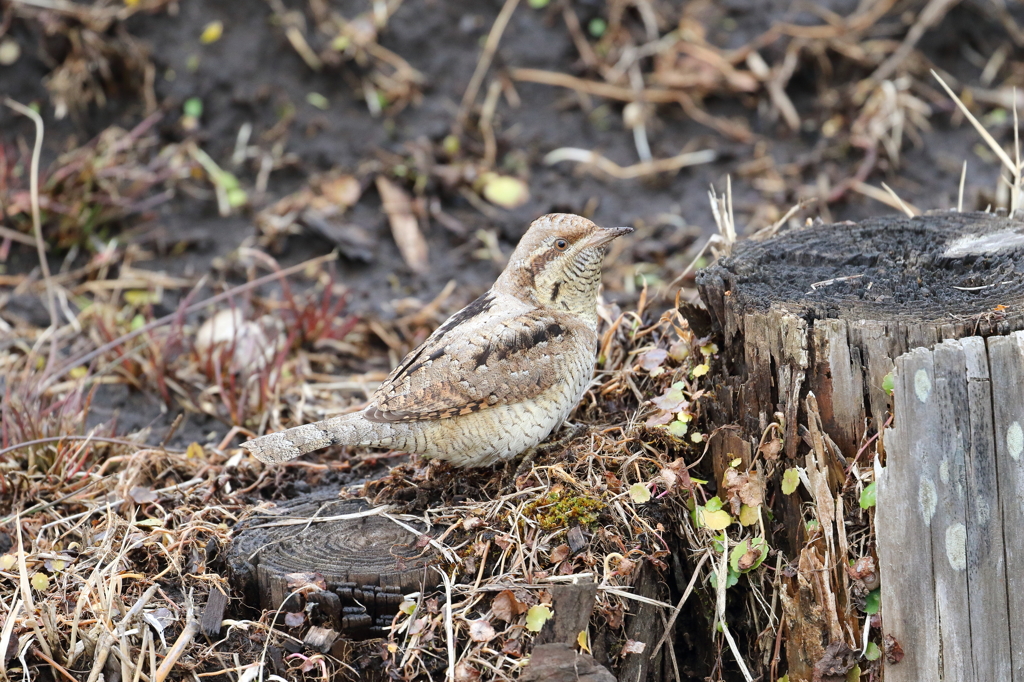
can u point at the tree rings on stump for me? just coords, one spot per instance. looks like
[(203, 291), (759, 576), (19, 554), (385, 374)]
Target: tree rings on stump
[(828, 308), (359, 564)]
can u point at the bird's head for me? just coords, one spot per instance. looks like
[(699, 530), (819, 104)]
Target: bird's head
[(557, 263)]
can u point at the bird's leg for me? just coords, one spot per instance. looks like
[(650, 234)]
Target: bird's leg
[(528, 457)]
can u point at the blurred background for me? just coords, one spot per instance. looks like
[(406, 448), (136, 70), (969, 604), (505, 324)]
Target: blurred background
[(203, 143)]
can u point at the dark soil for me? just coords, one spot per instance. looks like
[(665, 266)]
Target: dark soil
[(252, 72)]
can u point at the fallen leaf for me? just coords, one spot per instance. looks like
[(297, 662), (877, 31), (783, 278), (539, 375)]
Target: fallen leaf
[(212, 32), (464, 672), (481, 630), (560, 553), (505, 191), (679, 350), (633, 647), (404, 226), (672, 400), (10, 51), (893, 651), (624, 567), (343, 190), (537, 616), (659, 418), (418, 625), (299, 580), (676, 474), (142, 495), (743, 488), (653, 359), (771, 448), (507, 607)]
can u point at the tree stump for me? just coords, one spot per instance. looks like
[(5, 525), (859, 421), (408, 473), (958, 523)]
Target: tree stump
[(828, 308), (351, 567), (949, 521)]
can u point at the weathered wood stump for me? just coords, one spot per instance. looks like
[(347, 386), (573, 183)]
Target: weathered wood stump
[(950, 521), (827, 310), (363, 564)]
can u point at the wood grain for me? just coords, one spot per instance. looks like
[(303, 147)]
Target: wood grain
[(949, 514)]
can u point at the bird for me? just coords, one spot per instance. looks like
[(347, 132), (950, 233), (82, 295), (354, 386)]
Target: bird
[(497, 377)]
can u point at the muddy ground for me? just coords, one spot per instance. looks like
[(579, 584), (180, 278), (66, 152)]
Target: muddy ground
[(252, 73)]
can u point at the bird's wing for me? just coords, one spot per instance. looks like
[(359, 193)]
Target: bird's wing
[(481, 357)]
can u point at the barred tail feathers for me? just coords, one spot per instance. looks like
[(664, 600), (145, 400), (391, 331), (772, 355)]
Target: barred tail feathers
[(274, 448)]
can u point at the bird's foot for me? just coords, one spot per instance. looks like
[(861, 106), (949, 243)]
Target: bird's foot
[(529, 456)]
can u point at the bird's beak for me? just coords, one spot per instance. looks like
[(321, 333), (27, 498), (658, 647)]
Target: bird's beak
[(606, 234)]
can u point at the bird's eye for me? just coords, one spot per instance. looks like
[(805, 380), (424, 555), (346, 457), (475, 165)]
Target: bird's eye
[(561, 245)]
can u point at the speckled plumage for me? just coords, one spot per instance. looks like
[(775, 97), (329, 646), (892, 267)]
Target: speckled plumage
[(499, 375)]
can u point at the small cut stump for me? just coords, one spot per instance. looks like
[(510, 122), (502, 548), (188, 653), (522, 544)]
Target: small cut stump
[(810, 323), (351, 565)]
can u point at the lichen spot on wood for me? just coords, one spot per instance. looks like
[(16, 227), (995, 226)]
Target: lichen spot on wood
[(944, 471), (922, 385), (982, 511), (927, 498), (1015, 440), (956, 546)]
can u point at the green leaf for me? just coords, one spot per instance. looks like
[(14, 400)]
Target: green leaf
[(758, 549), (867, 496), (678, 428), (732, 577), (39, 581), (749, 515), (537, 616), (597, 27), (888, 383), (539, 4), (790, 480), (715, 520), (317, 100), (193, 107), (873, 652), (639, 493), (714, 504), (873, 602), (506, 191)]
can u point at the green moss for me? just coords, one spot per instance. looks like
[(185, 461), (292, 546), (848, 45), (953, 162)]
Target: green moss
[(558, 509)]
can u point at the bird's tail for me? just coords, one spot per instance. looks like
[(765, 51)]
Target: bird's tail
[(282, 446)]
